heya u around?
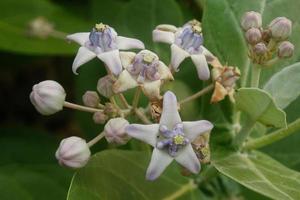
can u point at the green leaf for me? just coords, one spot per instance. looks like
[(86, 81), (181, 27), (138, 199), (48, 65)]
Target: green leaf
[(260, 173), (284, 85), (119, 174), (15, 16), (260, 106)]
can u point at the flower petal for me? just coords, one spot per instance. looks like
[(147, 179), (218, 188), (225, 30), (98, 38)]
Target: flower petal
[(126, 58), (163, 36), (145, 133), (164, 71), (177, 56), (124, 82), (188, 159), (170, 116), (80, 38), (209, 56), (112, 60), (125, 43), (166, 27), (159, 162), (202, 67), (193, 129), (83, 56), (219, 93), (152, 89)]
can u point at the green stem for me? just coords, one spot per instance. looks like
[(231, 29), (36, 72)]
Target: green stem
[(255, 75), (136, 98), (96, 139), (243, 134), (198, 94), (273, 137), (184, 189)]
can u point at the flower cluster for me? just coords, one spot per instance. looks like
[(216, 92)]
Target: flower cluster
[(267, 45)]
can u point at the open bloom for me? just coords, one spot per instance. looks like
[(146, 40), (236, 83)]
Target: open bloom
[(186, 41), (171, 139), (142, 69), (102, 42)]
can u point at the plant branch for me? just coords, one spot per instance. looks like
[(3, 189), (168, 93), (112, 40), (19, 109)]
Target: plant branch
[(255, 76), (198, 94), (243, 134), (80, 108), (273, 137)]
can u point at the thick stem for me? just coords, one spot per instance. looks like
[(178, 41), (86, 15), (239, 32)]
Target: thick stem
[(198, 94), (255, 76), (96, 139), (273, 137), (243, 134), (136, 98), (184, 189), (80, 108)]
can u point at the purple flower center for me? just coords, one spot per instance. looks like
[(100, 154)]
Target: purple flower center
[(172, 140), (190, 38)]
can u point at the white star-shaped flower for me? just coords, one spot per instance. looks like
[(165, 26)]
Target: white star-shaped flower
[(171, 139), (142, 69), (186, 41), (102, 42)]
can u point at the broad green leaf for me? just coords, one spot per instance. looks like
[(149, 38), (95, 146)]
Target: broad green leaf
[(117, 174), (284, 85), (260, 106), (15, 16), (260, 173)]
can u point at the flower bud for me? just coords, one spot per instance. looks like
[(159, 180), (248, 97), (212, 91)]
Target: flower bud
[(100, 117), (91, 99), (281, 28), (115, 131), (73, 152), (104, 86), (110, 110), (285, 50), (48, 97), (40, 27), (260, 48), (253, 36), (251, 20)]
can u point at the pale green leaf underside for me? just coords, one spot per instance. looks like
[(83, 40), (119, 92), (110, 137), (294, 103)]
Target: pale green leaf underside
[(260, 106), (284, 86), (259, 172), (116, 174)]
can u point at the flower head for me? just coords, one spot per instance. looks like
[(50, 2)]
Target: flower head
[(48, 97), (73, 152), (142, 69), (171, 138), (102, 42), (186, 41)]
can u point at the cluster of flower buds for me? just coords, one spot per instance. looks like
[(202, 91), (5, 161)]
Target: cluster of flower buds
[(266, 45)]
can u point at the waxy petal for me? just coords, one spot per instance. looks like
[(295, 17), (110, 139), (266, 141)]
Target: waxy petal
[(125, 43), (80, 38), (177, 56), (164, 71), (202, 67), (193, 129), (145, 133), (126, 58), (170, 116), (83, 56), (163, 36), (159, 162), (209, 56), (166, 27), (188, 159), (124, 82), (152, 89), (112, 61)]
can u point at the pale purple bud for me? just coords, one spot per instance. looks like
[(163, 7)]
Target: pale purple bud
[(114, 131), (285, 50), (73, 152), (260, 48), (251, 20), (253, 36), (48, 97), (104, 86), (100, 117), (281, 28), (91, 99)]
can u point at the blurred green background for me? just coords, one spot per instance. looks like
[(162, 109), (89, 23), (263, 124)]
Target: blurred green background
[(28, 140)]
